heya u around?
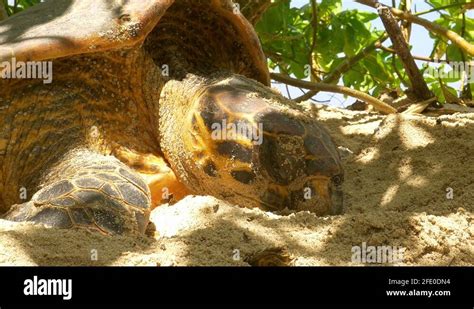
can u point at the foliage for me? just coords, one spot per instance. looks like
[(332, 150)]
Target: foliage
[(20, 5), (311, 41), (289, 34)]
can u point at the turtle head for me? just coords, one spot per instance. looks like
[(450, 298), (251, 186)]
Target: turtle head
[(240, 141), (301, 164)]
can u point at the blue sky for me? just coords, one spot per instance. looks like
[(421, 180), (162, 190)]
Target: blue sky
[(422, 47)]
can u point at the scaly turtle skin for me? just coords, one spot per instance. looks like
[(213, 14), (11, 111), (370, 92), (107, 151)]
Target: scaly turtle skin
[(151, 100)]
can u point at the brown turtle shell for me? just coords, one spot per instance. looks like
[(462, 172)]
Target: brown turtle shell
[(61, 28)]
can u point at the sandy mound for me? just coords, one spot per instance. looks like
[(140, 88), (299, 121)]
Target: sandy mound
[(409, 184)]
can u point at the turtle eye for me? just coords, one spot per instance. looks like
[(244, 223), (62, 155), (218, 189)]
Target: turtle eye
[(337, 180)]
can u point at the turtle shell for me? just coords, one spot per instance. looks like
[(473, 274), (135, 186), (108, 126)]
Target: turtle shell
[(61, 28)]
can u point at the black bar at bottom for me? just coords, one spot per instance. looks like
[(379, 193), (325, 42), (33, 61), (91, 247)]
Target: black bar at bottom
[(316, 285)]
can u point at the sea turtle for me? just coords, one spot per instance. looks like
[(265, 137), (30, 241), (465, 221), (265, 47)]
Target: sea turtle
[(150, 100)]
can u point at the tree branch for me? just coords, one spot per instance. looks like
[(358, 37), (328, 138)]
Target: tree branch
[(420, 88), (376, 103), (430, 26), (313, 58), (406, 25), (441, 8), (421, 58)]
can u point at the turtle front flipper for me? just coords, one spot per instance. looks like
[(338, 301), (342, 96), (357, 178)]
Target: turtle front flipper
[(236, 139), (92, 191)]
